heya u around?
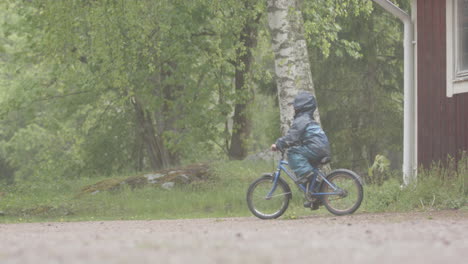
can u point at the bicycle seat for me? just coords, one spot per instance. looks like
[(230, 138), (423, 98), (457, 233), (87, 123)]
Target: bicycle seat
[(325, 160)]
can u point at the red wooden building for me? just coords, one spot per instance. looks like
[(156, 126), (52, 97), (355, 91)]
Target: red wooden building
[(441, 78), (436, 81)]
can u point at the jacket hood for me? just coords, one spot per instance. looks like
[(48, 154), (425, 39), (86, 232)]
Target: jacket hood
[(304, 102)]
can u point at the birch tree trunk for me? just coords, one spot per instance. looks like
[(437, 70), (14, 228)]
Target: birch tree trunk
[(291, 57)]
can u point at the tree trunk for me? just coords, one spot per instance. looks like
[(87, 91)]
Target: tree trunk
[(163, 116), (291, 57), (157, 153), (138, 152), (241, 121)]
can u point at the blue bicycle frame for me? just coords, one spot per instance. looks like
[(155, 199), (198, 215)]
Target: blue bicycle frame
[(282, 167)]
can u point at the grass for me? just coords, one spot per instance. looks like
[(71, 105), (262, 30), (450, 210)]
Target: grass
[(223, 195), (435, 189)]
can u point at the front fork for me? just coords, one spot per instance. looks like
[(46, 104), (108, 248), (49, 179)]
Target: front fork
[(275, 175)]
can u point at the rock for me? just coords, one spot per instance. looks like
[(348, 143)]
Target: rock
[(104, 185), (167, 178), (153, 177), (197, 171), (168, 185), (136, 181), (182, 178)]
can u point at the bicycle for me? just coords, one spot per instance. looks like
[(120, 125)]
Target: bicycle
[(340, 191)]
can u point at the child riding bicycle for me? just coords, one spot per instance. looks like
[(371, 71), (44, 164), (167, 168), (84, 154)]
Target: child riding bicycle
[(306, 142)]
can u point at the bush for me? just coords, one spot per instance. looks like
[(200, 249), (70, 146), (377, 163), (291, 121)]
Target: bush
[(437, 188)]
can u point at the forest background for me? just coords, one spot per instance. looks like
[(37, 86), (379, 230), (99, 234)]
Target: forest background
[(95, 88)]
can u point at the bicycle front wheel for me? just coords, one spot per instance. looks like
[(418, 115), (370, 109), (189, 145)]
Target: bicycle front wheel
[(265, 207), (350, 192)]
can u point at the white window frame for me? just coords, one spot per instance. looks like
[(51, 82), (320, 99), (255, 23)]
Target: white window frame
[(455, 84)]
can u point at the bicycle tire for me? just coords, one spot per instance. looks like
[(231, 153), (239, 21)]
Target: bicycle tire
[(350, 200), (260, 206)]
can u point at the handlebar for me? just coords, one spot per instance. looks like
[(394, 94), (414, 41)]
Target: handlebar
[(280, 150)]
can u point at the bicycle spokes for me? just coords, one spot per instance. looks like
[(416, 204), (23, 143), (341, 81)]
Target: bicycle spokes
[(347, 193), (265, 201)]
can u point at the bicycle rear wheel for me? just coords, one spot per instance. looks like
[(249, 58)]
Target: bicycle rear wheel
[(349, 186), (262, 206)]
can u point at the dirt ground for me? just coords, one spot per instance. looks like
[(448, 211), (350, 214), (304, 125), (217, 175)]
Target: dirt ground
[(431, 237)]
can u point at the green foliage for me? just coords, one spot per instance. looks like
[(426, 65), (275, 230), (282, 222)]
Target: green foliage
[(34, 152), (221, 196), (265, 122), (71, 73), (322, 26), (82, 65), (435, 189), (80, 81), (360, 95), (379, 171)]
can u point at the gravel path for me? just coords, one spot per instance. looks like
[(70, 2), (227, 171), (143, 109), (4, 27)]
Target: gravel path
[(433, 237)]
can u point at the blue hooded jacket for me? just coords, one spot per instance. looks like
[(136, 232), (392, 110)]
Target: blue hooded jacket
[(305, 131)]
